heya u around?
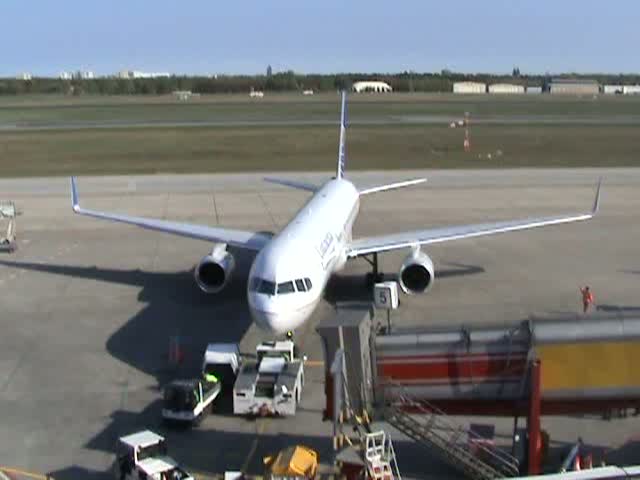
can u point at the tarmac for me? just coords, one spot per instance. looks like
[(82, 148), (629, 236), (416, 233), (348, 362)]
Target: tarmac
[(89, 308)]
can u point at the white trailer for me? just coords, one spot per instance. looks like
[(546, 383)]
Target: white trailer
[(144, 455), (272, 384)]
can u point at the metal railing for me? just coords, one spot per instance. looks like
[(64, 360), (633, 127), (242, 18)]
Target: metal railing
[(446, 438)]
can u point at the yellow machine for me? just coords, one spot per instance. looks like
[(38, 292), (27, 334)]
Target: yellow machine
[(292, 462)]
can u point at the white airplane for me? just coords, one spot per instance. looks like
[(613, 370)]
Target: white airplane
[(291, 269)]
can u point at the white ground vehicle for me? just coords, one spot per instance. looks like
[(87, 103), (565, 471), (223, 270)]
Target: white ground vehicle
[(8, 240), (221, 363), (143, 455), (189, 400), (272, 384)]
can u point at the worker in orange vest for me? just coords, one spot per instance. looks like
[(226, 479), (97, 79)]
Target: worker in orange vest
[(587, 298)]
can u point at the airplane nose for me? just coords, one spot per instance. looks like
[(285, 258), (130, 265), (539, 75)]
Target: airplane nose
[(274, 322), (266, 320)]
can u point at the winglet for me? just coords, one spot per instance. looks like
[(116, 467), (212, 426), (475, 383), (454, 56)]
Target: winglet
[(596, 202), (75, 204)]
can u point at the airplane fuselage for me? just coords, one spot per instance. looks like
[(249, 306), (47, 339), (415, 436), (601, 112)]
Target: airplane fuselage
[(289, 275)]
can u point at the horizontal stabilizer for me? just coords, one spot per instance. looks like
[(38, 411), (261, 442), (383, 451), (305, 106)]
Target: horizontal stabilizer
[(309, 187), (391, 186)]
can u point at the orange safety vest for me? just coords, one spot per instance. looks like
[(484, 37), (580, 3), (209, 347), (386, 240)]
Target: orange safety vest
[(587, 296)]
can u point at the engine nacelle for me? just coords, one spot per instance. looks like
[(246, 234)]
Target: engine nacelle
[(416, 273), (214, 271)]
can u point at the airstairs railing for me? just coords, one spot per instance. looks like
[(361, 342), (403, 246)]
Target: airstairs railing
[(380, 457), (432, 428)]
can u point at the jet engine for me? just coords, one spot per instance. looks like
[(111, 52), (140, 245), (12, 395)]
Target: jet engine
[(214, 271), (416, 273)]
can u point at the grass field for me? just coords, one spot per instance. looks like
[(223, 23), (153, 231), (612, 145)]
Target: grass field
[(313, 147)]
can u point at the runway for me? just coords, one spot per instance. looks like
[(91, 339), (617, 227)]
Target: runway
[(89, 308), (383, 120)]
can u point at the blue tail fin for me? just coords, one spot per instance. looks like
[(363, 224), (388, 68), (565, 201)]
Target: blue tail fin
[(343, 137)]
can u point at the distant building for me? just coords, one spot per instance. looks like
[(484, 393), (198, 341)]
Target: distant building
[(631, 89), (139, 74), (65, 76), (185, 95), (371, 86), (83, 75), (534, 90), (505, 88), (613, 89), (469, 87), (569, 86), (24, 76)]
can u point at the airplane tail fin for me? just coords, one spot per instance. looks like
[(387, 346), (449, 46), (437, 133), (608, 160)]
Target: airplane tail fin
[(343, 137)]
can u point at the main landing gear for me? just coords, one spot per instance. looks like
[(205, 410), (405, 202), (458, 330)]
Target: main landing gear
[(374, 276)]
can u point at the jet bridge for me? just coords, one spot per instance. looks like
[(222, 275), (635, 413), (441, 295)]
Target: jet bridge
[(541, 366)]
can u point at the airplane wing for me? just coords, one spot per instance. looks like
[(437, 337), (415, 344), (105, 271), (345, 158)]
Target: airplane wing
[(236, 238), (384, 243)]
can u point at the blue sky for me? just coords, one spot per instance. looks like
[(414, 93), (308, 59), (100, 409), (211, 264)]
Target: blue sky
[(206, 37)]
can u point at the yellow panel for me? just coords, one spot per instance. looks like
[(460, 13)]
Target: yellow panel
[(590, 365)]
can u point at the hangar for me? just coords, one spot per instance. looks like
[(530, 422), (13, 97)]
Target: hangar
[(574, 86), (372, 86), (505, 88), (469, 87)]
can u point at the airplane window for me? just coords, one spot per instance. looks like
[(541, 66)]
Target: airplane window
[(300, 285), (307, 282), (267, 287), (286, 287)]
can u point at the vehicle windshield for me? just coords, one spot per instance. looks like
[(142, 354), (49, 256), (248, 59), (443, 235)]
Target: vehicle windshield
[(157, 450), (179, 398), (176, 474), (274, 354)]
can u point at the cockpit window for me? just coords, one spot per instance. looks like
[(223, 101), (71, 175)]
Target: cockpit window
[(300, 285), (307, 282), (253, 284), (267, 287), (285, 287)]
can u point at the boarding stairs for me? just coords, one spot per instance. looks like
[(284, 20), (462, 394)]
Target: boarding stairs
[(380, 457), (433, 429)]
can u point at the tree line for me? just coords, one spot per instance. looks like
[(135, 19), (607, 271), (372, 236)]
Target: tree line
[(277, 82)]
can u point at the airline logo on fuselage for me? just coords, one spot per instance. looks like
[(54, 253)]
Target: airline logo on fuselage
[(326, 249)]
